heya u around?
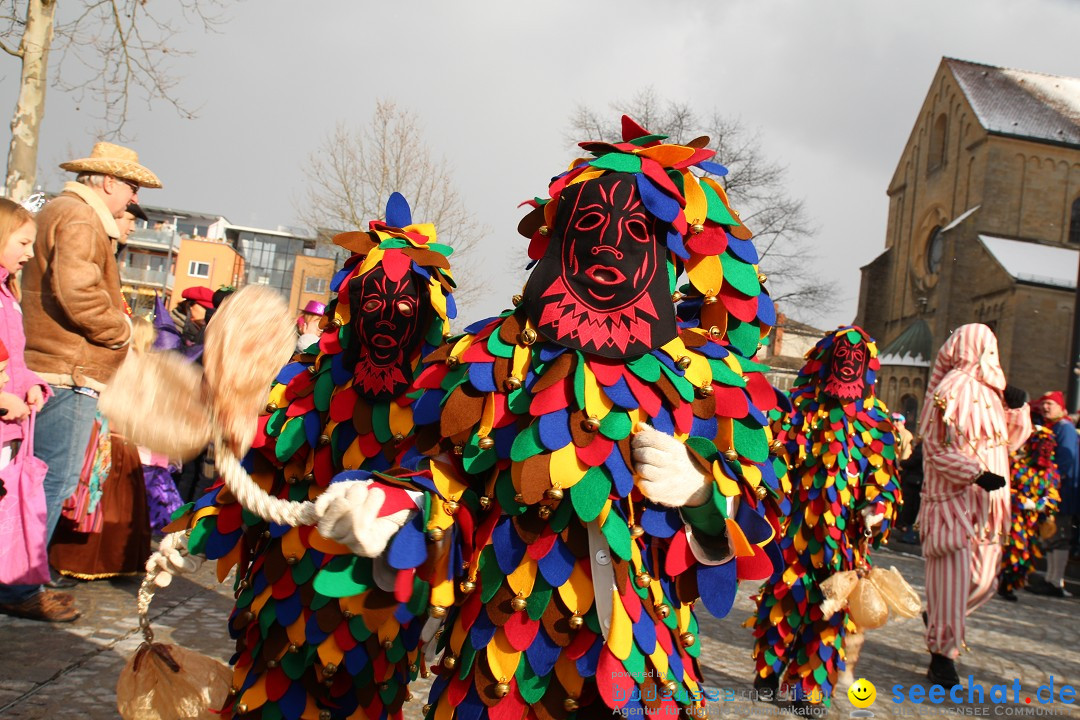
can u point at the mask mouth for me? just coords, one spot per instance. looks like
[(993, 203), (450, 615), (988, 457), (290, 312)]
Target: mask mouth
[(605, 275), (383, 341)]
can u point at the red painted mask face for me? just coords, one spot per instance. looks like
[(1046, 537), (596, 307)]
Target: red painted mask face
[(602, 285), (847, 369), (388, 318)]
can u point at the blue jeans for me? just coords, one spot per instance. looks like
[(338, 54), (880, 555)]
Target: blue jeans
[(61, 435)]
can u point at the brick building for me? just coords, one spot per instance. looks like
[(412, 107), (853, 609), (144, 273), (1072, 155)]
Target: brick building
[(984, 226)]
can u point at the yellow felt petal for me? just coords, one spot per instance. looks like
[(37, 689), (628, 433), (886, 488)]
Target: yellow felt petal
[(389, 629), (225, 564), (318, 542), (577, 592), (426, 229), (255, 696), (621, 638), (502, 657), (682, 617), (292, 545), (457, 637), (297, 632), (277, 395), (446, 479), (438, 299), (697, 205), (329, 652), (706, 273), (523, 578), (445, 710), (738, 540), (442, 593), (660, 659), (569, 677), (401, 421), (566, 467), (353, 458), (597, 403), (487, 416), (259, 601), (728, 487), (520, 361), (439, 517)]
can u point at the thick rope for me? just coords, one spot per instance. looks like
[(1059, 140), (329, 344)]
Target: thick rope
[(255, 499)]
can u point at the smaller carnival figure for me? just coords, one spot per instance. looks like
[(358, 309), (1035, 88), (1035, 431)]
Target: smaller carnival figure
[(841, 494), (1034, 496)]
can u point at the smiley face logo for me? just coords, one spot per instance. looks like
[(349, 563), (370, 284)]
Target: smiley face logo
[(862, 693)]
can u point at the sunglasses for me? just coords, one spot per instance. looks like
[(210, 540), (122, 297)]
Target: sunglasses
[(134, 186)]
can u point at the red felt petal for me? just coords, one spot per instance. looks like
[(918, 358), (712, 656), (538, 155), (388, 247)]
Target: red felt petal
[(503, 416), (758, 567), (301, 406), (761, 392), (540, 547), (229, 518), (395, 263), (700, 155), (679, 557), (663, 638), (631, 130), (712, 240), (284, 587), (607, 372), (730, 401), (432, 376), (330, 343), (323, 467), (369, 445), (655, 172), (457, 690), (646, 395), (612, 681), (631, 602), (471, 610), (684, 417), (342, 405), (556, 397), (478, 352), (403, 585), (344, 638), (538, 245), (596, 452), (277, 683), (742, 307), (511, 707), (520, 630), (581, 643)]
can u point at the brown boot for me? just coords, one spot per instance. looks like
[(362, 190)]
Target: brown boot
[(46, 606)]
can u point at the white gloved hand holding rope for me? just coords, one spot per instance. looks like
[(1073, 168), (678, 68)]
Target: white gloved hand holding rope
[(667, 474), (172, 558), (348, 513)]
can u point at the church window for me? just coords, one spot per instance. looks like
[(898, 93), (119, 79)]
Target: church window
[(1074, 223), (936, 157)]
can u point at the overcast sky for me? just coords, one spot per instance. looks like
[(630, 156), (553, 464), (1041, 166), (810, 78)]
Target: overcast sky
[(833, 87)]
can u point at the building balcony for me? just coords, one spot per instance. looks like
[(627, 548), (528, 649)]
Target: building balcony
[(154, 239), (145, 276)]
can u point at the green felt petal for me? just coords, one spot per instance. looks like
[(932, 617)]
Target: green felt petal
[(497, 347), (741, 276), (268, 616), (646, 367), (505, 493), (703, 447), (276, 421), (717, 211), (750, 441), (293, 665), (616, 425), (591, 492), (635, 664), (380, 421), (684, 387), (303, 570), (617, 534), (526, 444), (343, 576), (618, 162), (358, 629), (724, 375), (476, 460), (491, 577), (199, 534), (579, 382), (468, 657), (270, 711), (291, 438), (646, 139), (519, 401), (531, 686), (324, 388), (743, 336), (418, 602), (749, 366), (540, 597), (561, 517)]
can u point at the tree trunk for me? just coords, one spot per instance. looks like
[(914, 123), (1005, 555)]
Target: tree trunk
[(26, 122)]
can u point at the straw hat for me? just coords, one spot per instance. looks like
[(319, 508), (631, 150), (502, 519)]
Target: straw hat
[(109, 159)]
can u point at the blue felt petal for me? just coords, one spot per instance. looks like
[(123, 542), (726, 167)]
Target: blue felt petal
[(756, 414), (210, 498), (288, 372), (403, 615), (355, 660), (663, 421), (408, 549), (586, 664), (558, 564), (704, 428), (288, 610), (542, 653), (509, 549), (717, 585), (675, 244), (713, 168), (293, 702), (554, 430), (482, 631), (421, 271), (471, 707), (645, 633), (339, 277), (777, 557), (675, 664), (656, 201), (756, 528), (665, 359), (312, 427), (339, 373), (219, 545), (783, 402), (427, 408), (620, 394), (550, 351), (259, 583), (482, 376), (766, 310), (504, 440), (477, 326), (713, 350), (798, 592), (312, 633), (398, 212), (451, 307), (621, 476), (660, 522), (742, 249)]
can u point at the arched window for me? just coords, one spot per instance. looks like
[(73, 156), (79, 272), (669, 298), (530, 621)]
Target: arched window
[(1074, 223), (936, 156), (909, 406), (935, 251)]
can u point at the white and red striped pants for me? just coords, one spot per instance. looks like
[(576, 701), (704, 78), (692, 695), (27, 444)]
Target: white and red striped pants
[(957, 584)]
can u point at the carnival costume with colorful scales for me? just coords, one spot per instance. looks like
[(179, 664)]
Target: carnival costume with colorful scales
[(575, 593), (1035, 483), (838, 440), (322, 633)]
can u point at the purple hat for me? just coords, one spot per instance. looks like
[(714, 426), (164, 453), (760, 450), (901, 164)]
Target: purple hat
[(168, 337), (315, 307)]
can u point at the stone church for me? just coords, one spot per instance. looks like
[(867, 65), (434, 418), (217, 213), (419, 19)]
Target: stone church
[(984, 226)]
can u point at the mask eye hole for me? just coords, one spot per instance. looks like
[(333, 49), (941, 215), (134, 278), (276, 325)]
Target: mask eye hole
[(638, 230), (371, 305), (590, 221), (405, 309)]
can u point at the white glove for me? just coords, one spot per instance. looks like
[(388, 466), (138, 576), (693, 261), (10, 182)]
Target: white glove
[(348, 514), (1028, 505), (667, 474), (172, 559), (870, 519)]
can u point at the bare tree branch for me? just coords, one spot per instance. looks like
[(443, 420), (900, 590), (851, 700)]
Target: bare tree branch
[(13, 52), (754, 183), (354, 169)]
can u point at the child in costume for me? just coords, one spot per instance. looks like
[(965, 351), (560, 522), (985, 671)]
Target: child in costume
[(1034, 491), (320, 631), (840, 492), (596, 469)]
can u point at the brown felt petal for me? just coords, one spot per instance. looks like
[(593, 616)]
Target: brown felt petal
[(582, 438), (551, 705), (361, 416), (699, 143), (649, 690), (534, 478), (427, 258), (529, 525), (740, 231), (501, 368), (329, 616), (436, 554), (511, 328), (307, 594), (621, 569), (529, 224), (555, 373), (428, 440), (576, 538), (692, 339), (498, 607), (555, 621), (484, 680), (439, 354), (686, 588), (704, 407), (356, 241), (663, 384), (276, 642), (715, 315), (462, 411), (274, 566)]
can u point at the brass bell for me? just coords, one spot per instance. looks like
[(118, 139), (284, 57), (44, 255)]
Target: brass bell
[(486, 443), (591, 424), (450, 507), (555, 493), (271, 407), (676, 296), (266, 534), (387, 644), (761, 492), (731, 455), (687, 639), (426, 709), (762, 278), (459, 449), (519, 603), (347, 614), (241, 708), (544, 512), (398, 438), (467, 586), (544, 230), (570, 704), (234, 690), (714, 332), (293, 648), (519, 498), (643, 580), (516, 300), (671, 687), (528, 336), (697, 228), (271, 663), (436, 611), (485, 502), (324, 715), (576, 621), (453, 362), (329, 669), (705, 390), (709, 300), (683, 362), (312, 369), (310, 477), (662, 610), (244, 584), (502, 690), (292, 480), (435, 534), (776, 445), (292, 560), (334, 324), (383, 687), (636, 531), (449, 662), (512, 383)]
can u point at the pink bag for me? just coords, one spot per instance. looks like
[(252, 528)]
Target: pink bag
[(24, 558)]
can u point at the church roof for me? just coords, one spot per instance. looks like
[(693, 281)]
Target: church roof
[(1021, 103), (1033, 263), (911, 348)]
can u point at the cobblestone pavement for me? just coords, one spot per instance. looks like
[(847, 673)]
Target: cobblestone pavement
[(70, 671)]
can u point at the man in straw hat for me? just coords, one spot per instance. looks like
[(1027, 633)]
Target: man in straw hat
[(76, 325)]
